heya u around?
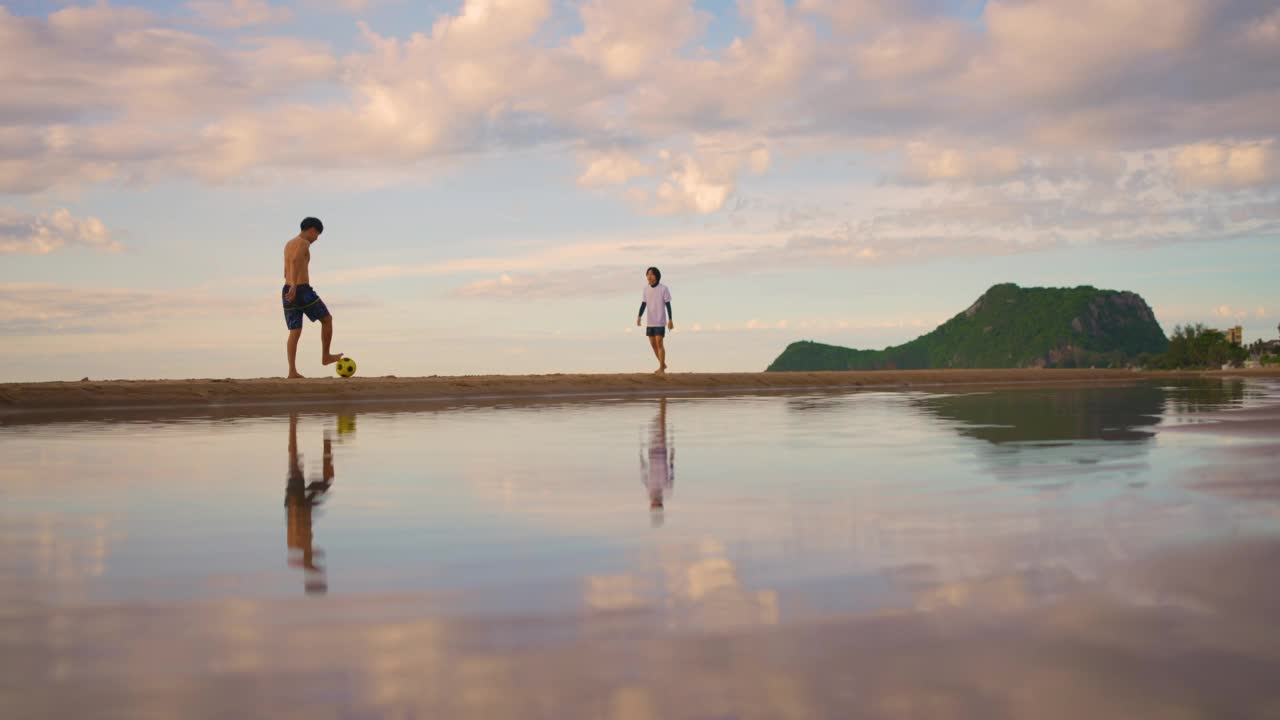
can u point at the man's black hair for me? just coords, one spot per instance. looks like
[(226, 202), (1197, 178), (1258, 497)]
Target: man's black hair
[(308, 223), (657, 274)]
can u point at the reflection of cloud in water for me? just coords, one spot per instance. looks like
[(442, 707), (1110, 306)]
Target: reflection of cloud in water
[(1010, 592), (697, 588), (1252, 476), (1186, 634), (1243, 464), (57, 557), (1245, 472), (1004, 603)]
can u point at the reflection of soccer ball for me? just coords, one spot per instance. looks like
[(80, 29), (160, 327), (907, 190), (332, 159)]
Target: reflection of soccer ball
[(346, 367), (346, 424)]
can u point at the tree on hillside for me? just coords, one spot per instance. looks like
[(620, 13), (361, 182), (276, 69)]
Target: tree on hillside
[(1197, 346)]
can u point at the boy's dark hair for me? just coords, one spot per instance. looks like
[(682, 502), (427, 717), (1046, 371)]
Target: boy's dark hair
[(308, 223), (657, 274)]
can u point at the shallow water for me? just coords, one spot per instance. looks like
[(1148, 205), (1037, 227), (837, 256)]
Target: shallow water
[(1051, 553)]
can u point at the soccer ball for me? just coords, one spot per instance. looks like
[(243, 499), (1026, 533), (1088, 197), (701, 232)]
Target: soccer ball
[(346, 367)]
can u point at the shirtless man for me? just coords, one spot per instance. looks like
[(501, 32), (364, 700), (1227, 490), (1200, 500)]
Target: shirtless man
[(299, 297), (300, 499)]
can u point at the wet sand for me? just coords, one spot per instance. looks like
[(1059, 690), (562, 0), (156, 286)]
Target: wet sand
[(16, 398), (151, 573)]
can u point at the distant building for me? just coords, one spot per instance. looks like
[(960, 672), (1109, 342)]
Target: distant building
[(1235, 335)]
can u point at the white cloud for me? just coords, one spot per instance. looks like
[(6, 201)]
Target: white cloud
[(702, 182), (26, 234), (569, 281), (100, 93), (239, 13), (56, 310), (925, 163), (612, 167), (84, 62), (693, 188), (1227, 164), (1264, 32), (1050, 44), (45, 308), (1055, 94), (629, 39), (1226, 311), (1052, 203), (502, 286), (491, 23), (913, 51)]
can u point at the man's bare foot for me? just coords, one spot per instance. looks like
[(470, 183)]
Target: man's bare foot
[(296, 375), (332, 358), (660, 371)]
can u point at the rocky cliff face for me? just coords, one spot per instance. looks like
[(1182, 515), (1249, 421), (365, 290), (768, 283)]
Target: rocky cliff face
[(1010, 326)]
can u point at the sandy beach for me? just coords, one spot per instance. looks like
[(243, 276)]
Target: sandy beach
[(18, 398)]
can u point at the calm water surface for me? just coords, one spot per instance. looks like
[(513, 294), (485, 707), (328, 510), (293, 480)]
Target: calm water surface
[(1049, 553)]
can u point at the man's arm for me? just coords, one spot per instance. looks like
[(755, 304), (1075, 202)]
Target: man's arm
[(643, 305), (671, 321), (291, 288), (300, 264)]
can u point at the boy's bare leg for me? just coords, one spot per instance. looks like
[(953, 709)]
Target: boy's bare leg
[(293, 352), (326, 336), (660, 349)]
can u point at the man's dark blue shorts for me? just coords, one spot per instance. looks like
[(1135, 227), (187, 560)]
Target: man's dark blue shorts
[(306, 302), (658, 330)]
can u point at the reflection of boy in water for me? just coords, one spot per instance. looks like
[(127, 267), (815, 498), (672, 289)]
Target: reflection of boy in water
[(299, 500), (658, 470)]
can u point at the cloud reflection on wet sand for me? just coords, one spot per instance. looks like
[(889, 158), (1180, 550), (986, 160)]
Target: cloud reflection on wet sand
[(1183, 634), (795, 589)]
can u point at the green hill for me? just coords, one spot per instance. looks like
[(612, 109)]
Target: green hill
[(1010, 326)]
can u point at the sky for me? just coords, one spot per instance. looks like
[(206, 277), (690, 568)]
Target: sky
[(494, 176)]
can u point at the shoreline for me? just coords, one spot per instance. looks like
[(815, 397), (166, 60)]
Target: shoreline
[(22, 398)]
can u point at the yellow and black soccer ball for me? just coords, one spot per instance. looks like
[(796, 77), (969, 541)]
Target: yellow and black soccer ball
[(346, 367), (346, 424)]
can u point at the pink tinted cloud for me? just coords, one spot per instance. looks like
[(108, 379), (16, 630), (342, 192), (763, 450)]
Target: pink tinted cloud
[(27, 234), (113, 93)]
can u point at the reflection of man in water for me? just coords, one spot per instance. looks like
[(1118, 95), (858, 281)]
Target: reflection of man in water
[(299, 500), (658, 468)]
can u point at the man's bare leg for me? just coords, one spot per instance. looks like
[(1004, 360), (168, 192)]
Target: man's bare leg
[(294, 335), (326, 336), (293, 442)]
